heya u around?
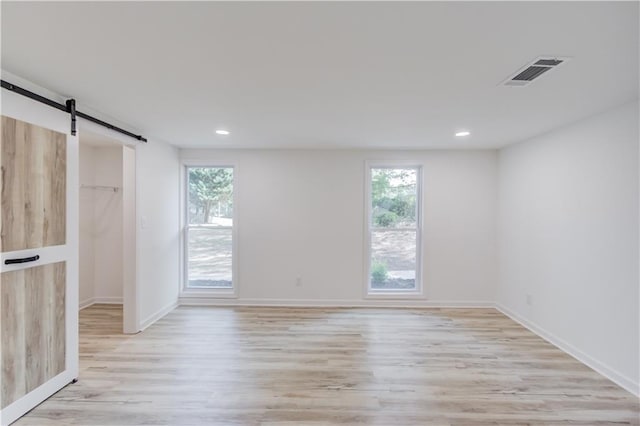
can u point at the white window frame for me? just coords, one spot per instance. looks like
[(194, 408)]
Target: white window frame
[(418, 292), (196, 293)]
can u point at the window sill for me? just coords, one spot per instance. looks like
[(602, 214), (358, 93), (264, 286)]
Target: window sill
[(212, 293), (395, 295)]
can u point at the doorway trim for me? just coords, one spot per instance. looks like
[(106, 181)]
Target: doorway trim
[(130, 300), (130, 288)]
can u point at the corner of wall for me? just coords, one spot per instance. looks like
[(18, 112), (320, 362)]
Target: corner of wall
[(567, 230), (158, 230)]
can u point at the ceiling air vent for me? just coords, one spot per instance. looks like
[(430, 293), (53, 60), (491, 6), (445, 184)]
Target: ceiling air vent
[(533, 70)]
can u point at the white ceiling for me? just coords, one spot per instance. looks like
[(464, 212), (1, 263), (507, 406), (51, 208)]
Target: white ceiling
[(335, 75)]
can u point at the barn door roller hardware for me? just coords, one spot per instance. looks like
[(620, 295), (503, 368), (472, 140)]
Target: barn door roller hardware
[(69, 107)]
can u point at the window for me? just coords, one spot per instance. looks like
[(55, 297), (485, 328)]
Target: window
[(209, 228), (394, 235)]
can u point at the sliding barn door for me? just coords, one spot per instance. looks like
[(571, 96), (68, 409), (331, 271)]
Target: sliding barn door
[(33, 286)]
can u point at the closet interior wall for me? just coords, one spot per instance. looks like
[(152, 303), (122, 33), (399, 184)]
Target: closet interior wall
[(101, 269)]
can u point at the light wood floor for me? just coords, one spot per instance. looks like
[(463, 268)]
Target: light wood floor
[(277, 366)]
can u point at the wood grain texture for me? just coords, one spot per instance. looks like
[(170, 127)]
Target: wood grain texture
[(33, 328), (33, 188), (294, 366)]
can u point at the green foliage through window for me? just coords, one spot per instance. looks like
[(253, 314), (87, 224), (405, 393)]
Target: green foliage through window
[(393, 197), (210, 193), (379, 272)]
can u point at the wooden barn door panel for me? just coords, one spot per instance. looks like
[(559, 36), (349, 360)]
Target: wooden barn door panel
[(34, 180), (34, 279), (33, 328)]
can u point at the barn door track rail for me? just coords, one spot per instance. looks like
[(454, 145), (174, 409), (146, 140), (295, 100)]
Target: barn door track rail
[(69, 107)]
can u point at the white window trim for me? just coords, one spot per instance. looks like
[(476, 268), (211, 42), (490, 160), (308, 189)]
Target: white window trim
[(198, 293), (418, 292)]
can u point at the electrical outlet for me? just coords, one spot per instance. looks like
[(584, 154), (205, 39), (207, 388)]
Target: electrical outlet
[(529, 299), (299, 282)]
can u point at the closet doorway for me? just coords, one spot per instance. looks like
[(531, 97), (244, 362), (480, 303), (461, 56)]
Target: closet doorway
[(107, 268)]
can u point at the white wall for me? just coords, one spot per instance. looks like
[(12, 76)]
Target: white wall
[(301, 213), (101, 276), (158, 244), (108, 225), (569, 238)]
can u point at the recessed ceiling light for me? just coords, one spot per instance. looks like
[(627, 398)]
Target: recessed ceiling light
[(464, 133), (222, 132)]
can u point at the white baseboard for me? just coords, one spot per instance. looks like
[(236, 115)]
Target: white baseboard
[(156, 316), (101, 300), (608, 372), (108, 300), (86, 303), (334, 303)]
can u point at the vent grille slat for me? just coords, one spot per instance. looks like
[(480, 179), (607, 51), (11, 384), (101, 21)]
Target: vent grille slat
[(549, 62), (533, 70), (531, 73)]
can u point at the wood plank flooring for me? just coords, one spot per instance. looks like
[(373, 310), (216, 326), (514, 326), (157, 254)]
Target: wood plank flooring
[(286, 367)]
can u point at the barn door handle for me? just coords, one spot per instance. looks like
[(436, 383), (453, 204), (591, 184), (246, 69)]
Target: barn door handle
[(22, 260)]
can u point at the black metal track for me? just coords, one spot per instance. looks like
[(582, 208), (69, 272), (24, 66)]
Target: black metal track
[(69, 108), (34, 96)]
